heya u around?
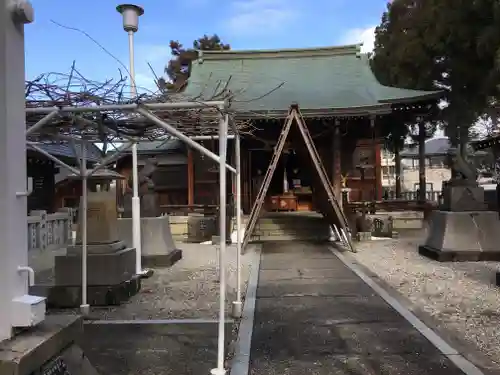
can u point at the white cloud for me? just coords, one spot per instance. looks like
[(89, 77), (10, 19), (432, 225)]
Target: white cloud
[(361, 35), (156, 55), (251, 17)]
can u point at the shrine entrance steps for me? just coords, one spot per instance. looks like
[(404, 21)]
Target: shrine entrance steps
[(289, 226), (314, 315)]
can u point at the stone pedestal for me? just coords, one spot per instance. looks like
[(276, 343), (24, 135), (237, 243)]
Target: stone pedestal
[(463, 198), (463, 236), (158, 247), (111, 265), (106, 269), (49, 348)]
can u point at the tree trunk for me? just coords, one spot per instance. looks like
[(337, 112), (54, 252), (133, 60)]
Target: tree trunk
[(397, 167), (421, 162)]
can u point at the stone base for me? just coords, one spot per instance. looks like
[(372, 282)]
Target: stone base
[(61, 297), (158, 247), (103, 269), (463, 198), (162, 261), (48, 346), (463, 236), (100, 248)]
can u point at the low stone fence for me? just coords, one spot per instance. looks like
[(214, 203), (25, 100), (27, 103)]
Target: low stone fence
[(49, 231), (48, 236)]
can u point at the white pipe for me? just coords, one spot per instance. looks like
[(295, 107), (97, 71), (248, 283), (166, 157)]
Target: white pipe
[(237, 310), (43, 121), (184, 138), (222, 233), (131, 107), (209, 137), (109, 159), (31, 274), (52, 157), (136, 202), (84, 308)]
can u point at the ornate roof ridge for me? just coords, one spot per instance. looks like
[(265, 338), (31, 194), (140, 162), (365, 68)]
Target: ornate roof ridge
[(352, 49)]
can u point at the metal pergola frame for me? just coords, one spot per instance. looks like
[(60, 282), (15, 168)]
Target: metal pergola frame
[(146, 110)]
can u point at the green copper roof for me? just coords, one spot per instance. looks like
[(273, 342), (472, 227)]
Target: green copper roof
[(333, 80)]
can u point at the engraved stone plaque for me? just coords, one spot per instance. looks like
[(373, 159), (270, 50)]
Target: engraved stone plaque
[(101, 218)]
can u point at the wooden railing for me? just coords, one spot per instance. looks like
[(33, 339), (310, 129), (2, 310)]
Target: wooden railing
[(430, 196), (50, 231)]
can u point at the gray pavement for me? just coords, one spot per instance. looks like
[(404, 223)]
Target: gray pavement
[(313, 315)]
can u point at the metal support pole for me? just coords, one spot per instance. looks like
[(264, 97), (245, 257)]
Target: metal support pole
[(131, 107), (84, 307), (52, 157), (43, 121), (110, 159), (223, 238), (237, 306), (136, 202), (184, 138)]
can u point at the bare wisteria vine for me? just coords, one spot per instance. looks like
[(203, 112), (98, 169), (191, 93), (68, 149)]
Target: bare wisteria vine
[(74, 90)]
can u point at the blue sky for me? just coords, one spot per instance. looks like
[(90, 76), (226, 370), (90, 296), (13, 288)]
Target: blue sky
[(245, 24)]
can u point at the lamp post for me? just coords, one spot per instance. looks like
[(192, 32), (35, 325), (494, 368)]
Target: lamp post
[(131, 15)]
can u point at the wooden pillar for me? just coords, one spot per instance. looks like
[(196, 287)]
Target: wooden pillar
[(337, 162), (376, 158), (397, 167), (421, 161), (190, 176)]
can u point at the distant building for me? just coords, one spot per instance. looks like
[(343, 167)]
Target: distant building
[(388, 165), (436, 170)]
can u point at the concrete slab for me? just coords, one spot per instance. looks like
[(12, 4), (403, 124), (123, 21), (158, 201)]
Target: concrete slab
[(295, 247), (324, 310), (321, 287), (317, 316), (295, 272), (365, 365), (280, 341), (280, 263), (128, 349)]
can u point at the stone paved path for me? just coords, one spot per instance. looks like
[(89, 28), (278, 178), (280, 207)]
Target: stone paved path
[(313, 315)]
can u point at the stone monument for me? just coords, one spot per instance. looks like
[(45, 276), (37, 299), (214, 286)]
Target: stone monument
[(157, 245), (150, 205), (462, 229), (111, 268)]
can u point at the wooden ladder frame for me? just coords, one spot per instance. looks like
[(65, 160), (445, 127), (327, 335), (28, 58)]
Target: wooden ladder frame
[(333, 211)]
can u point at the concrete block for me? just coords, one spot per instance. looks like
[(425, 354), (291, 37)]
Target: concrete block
[(463, 236), (51, 345), (103, 269), (61, 297), (463, 198), (158, 247)]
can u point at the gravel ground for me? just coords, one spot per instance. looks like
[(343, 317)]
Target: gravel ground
[(461, 296), (187, 290)]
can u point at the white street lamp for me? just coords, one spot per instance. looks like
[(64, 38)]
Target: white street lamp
[(131, 15)]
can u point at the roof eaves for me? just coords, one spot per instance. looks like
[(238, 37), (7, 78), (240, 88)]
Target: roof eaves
[(416, 96), (326, 112), (352, 49)]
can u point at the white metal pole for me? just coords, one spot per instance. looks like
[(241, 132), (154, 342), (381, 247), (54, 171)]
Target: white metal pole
[(184, 138), (84, 308), (13, 206), (223, 238), (136, 203), (237, 308)]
